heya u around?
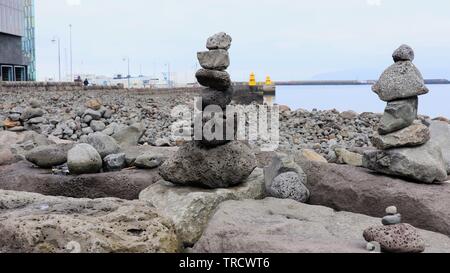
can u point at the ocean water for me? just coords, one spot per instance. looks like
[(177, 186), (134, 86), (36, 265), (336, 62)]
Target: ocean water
[(359, 98)]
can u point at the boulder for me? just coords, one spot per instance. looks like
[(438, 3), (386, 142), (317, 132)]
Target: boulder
[(130, 136), (403, 53), (440, 136), (219, 167), (414, 135), (350, 158), (217, 59), (218, 80), (358, 190), (220, 40), (114, 162), (285, 226), (289, 185), (84, 159), (104, 144), (149, 161), (127, 184), (401, 238), (94, 104), (399, 114), (423, 164), (191, 208), (49, 156), (33, 223), (400, 81), (214, 97)]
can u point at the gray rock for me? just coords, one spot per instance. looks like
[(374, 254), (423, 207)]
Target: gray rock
[(87, 119), (392, 210), (289, 185), (162, 142), (214, 59), (37, 120), (35, 103), (440, 136), (349, 115), (403, 53), (346, 157), (83, 159), (399, 114), (220, 167), (98, 126), (30, 113), (218, 80), (423, 163), (87, 130), (14, 117), (108, 114), (49, 156), (402, 238), (392, 220), (114, 162), (104, 144), (149, 161), (400, 81), (414, 135), (219, 41), (214, 97), (96, 115), (130, 136)]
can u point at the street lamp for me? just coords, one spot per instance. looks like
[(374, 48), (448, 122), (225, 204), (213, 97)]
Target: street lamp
[(71, 56), (169, 84), (128, 76), (57, 40)]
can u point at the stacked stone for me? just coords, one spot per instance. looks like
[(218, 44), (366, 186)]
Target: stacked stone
[(403, 140), (29, 119), (218, 162)]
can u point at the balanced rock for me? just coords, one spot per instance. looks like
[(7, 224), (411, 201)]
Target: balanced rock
[(104, 144), (400, 81), (218, 80), (214, 97), (214, 59), (84, 159), (422, 163), (399, 114), (414, 135), (392, 219), (220, 40), (49, 156), (403, 53), (215, 129), (220, 167), (401, 238)]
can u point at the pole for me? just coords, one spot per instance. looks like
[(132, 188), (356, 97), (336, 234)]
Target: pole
[(71, 55), (59, 58), (129, 72)]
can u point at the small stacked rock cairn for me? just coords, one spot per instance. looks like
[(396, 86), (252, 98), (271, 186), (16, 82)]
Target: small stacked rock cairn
[(20, 119), (217, 162), (403, 140), (393, 236)]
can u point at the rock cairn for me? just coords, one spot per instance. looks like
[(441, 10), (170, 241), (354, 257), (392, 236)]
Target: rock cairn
[(393, 236), (402, 139), (212, 162), (20, 119)]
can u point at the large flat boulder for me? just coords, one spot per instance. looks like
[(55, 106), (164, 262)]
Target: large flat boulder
[(285, 226), (190, 208), (126, 184), (33, 223), (440, 136), (348, 188)]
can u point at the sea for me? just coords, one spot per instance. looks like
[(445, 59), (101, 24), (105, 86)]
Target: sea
[(358, 98)]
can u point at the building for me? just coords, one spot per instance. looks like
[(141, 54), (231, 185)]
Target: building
[(17, 48)]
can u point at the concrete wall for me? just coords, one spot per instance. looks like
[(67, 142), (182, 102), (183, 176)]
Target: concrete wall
[(11, 50)]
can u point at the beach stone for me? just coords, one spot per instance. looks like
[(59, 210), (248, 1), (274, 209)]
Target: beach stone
[(14, 117), (398, 115), (403, 53), (349, 115), (440, 136), (84, 159), (218, 80), (220, 167), (423, 164), (30, 113), (149, 161), (104, 144), (49, 156), (94, 104), (114, 162), (35, 103), (346, 157), (214, 97), (98, 126), (34, 223), (392, 220), (7, 157), (401, 238), (289, 185), (414, 135), (392, 210), (94, 115), (220, 40), (400, 81), (130, 136), (309, 155), (191, 208), (10, 124), (87, 119), (217, 59)]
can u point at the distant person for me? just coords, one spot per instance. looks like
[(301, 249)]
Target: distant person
[(86, 82), (78, 79)]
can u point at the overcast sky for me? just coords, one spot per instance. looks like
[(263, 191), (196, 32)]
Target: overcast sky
[(286, 39)]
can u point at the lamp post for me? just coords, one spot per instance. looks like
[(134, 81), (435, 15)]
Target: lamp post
[(127, 59), (57, 40), (71, 55), (169, 83)]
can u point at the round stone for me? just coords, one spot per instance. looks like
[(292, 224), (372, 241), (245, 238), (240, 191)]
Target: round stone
[(392, 210), (403, 53), (289, 185), (392, 220)]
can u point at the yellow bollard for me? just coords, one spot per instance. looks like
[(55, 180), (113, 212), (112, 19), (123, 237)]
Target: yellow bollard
[(252, 81), (268, 81)]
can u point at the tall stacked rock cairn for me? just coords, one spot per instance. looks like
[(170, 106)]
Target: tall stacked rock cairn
[(217, 162), (403, 141)]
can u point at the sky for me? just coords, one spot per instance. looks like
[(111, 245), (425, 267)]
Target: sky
[(286, 39)]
